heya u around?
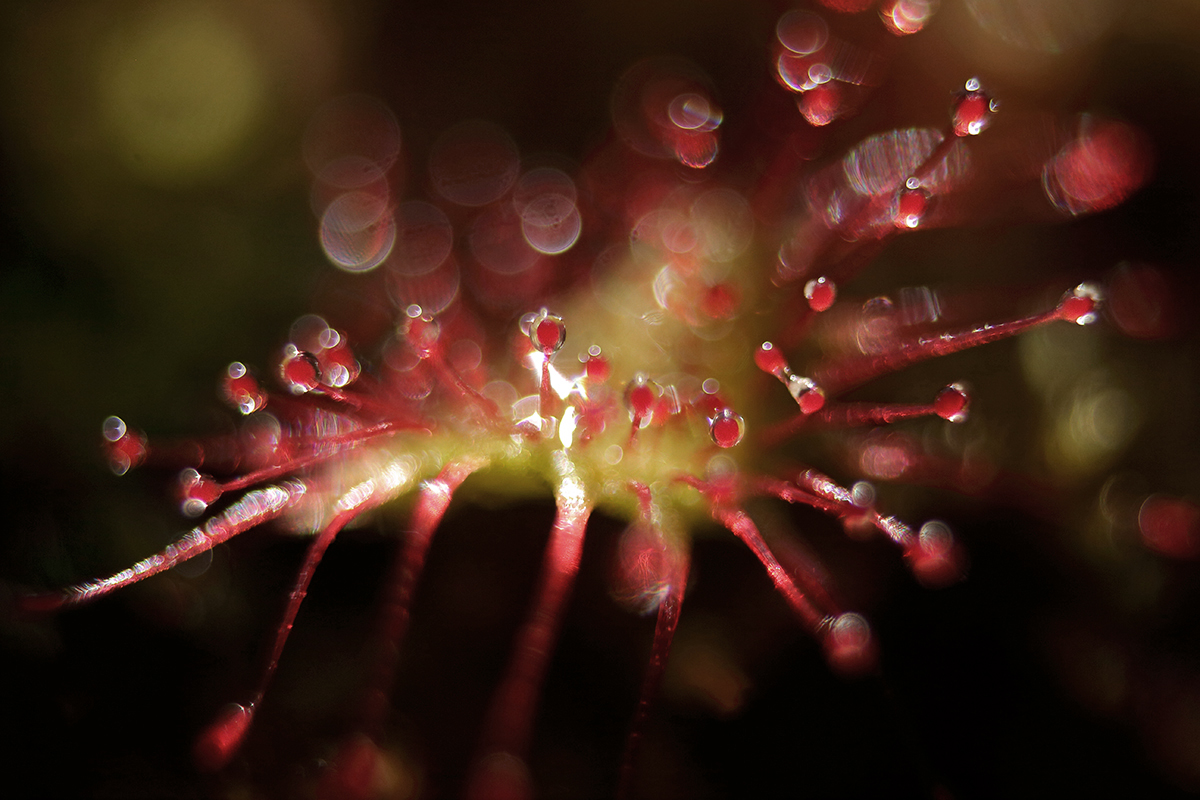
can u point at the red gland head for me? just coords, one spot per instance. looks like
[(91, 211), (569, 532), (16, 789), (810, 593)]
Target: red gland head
[(820, 105), (640, 397), (721, 301), (547, 332), (850, 645), (220, 740), (770, 360), (1080, 305), (339, 367), (422, 331), (951, 403), (820, 293), (727, 428), (973, 110), (241, 390), (1170, 525), (904, 17), (124, 448), (197, 492), (299, 370), (806, 393), (911, 205), (937, 558), (596, 366), (642, 569)]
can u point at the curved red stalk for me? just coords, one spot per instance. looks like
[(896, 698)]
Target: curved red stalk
[(839, 375), (499, 766), (432, 501), (450, 377), (848, 415), (664, 633), (217, 744), (337, 445), (250, 511), (741, 526), (820, 491), (846, 637)]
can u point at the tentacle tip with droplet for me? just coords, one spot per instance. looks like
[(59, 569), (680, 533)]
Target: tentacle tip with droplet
[(850, 646), (124, 447), (937, 558), (952, 403), (1081, 305)]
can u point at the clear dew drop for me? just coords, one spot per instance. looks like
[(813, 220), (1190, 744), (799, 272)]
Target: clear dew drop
[(547, 332), (806, 393), (299, 370), (727, 428)]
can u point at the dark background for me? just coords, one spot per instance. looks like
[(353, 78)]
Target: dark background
[(1061, 667)]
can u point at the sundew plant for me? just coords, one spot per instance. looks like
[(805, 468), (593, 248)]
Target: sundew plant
[(751, 400)]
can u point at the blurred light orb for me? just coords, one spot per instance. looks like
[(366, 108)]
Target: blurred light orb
[(1094, 425), (551, 224), (355, 126), (544, 198), (1047, 26), (724, 225), (181, 93), (357, 231), (497, 240), (904, 17), (1098, 169), (474, 163), (424, 239), (802, 32)]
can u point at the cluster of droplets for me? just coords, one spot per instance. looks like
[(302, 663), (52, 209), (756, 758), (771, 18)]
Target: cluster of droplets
[(435, 407)]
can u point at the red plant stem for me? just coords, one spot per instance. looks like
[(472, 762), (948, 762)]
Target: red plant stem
[(221, 739), (316, 551), (432, 502), (509, 723), (547, 405), (373, 492), (847, 415), (664, 634), (819, 491), (740, 524), (332, 446), (223, 453), (253, 509), (838, 376), (806, 571)]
